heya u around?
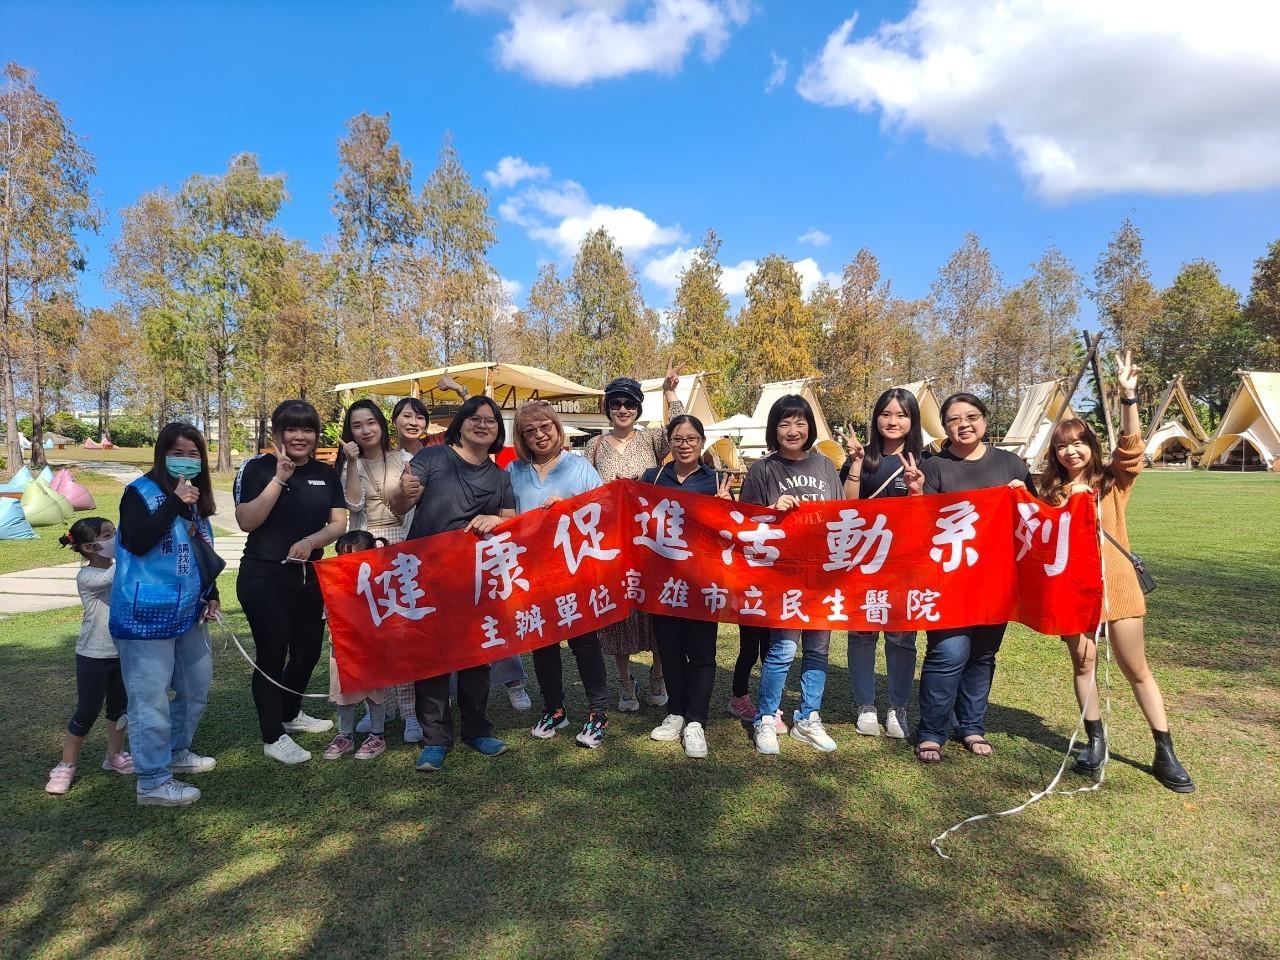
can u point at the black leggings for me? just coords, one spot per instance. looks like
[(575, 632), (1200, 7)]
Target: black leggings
[(688, 650), (547, 668), (753, 644), (97, 679), (286, 615)]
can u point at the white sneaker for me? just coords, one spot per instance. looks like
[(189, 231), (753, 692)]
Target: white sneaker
[(695, 741), (286, 751), (895, 724), (413, 731), (812, 732), (304, 724), (668, 730), (766, 736), (186, 761), (171, 793), (519, 698), (868, 722)]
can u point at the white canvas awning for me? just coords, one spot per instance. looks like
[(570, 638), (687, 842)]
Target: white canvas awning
[(1252, 418), (691, 390), (931, 432), (1043, 405), (508, 384), (753, 440)]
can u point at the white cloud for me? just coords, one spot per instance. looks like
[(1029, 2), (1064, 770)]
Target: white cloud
[(815, 237), (778, 75), (511, 287), (561, 216), (1091, 97), (811, 275), (512, 170), (664, 272), (573, 42)]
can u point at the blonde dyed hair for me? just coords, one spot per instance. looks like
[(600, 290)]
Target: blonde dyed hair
[(529, 412)]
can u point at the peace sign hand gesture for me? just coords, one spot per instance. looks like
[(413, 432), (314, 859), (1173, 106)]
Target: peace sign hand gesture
[(912, 475), (1127, 372), (672, 379), (722, 487)]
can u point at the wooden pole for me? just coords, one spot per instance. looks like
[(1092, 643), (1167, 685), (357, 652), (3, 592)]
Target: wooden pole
[(1102, 391)]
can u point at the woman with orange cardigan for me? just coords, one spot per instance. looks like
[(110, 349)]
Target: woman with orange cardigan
[(1077, 467)]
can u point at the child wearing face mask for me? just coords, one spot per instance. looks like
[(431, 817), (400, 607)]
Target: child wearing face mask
[(98, 676)]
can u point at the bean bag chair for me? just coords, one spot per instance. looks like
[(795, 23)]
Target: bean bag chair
[(92, 445), (13, 522), (40, 507), (46, 475), (68, 511), (65, 484), (18, 482)]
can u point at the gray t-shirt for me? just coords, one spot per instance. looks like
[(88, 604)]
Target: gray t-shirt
[(455, 491), (813, 478), (945, 473)]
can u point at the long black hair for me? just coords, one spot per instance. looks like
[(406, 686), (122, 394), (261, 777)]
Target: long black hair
[(348, 437), (171, 434), (913, 442), (453, 436), (790, 405)]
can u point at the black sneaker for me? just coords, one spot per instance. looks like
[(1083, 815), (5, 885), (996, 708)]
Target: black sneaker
[(592, 734), (549, 723)]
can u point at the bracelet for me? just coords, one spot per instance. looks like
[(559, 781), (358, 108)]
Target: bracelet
[(1128, 401), (279, 481), (855, 476)]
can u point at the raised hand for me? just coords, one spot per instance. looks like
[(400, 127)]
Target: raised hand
[(284, 466), (410, 486), (351, 449), (1127, 372), (722, 487), (852, 446), (185, 492), (672, 379)]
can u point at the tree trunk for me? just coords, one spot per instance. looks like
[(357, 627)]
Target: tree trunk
[(37, 405), (224, 418)]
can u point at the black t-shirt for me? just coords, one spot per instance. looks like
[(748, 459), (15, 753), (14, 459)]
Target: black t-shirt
[(455, 492), (303, 507), (873, 480), (946, 473), (813, 478)]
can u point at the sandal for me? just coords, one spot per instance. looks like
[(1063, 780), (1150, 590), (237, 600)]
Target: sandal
[(972, 743), (928, 752)]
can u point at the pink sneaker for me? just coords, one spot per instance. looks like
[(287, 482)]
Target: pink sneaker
[(342, 743), (743, 708), (60, 778), (373, 746), (779, 725), (118, 763)]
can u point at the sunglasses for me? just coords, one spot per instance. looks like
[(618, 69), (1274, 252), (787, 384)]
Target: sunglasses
[(623, 405)]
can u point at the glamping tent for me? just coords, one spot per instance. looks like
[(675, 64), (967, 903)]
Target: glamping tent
[(931, 429), (753, 443), (691, 391), (1249, 435), (1043, 406), (1178, 437)]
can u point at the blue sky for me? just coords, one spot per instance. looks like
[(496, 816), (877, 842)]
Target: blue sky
[(769, 120)]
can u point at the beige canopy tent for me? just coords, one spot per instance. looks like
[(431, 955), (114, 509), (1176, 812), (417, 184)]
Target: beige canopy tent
[(691, 391), (931, 431), (753, 443), (1043, 405), (1180, 436), (1249, 434), (507, 383)]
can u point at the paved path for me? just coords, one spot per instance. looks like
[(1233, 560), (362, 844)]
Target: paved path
[(48, 588)]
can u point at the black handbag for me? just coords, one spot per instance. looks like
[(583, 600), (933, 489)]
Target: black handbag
[(1145, 579), (207, 560)]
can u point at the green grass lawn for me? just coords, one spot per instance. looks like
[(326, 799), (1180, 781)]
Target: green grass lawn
[(634, 851)]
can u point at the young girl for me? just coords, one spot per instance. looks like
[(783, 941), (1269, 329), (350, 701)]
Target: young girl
[(374, 744), (98, 676), (790, 474), (887, 467), (1077, 467)]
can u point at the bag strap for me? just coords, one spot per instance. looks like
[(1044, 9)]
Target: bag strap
[(1116, 544), (893, 477)]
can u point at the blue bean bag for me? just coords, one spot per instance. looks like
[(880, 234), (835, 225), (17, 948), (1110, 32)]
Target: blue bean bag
[(13, 522), (18, 482)]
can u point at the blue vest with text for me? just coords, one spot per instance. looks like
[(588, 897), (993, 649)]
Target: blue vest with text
[(158, 594)]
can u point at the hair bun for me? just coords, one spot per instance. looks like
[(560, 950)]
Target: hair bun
[(66, 540)]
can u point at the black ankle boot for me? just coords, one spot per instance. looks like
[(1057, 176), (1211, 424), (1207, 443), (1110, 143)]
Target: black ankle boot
[(1089, 759), (1166, 768)]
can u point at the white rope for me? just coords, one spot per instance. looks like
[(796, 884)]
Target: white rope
[(249, 660), (1101, 637)]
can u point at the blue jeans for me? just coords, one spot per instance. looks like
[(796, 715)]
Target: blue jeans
[(956, 674), (777, 664), (899, 661), (159, 727)]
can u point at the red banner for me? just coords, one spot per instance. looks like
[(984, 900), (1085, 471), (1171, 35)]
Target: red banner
[(437, 604)]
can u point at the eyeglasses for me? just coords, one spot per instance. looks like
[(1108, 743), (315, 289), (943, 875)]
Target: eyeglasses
[(623, 405), (968, 418), (482, 421), (544, 428), (685, 441)]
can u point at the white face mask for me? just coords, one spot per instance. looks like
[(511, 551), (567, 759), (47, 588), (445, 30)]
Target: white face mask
[(106, 548)]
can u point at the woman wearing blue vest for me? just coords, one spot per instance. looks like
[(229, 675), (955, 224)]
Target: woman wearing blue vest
[(158, 604)]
